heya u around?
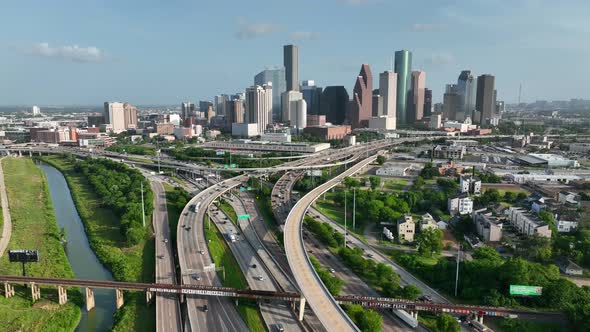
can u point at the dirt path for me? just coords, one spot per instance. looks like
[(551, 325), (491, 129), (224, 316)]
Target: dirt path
[(7, 229)]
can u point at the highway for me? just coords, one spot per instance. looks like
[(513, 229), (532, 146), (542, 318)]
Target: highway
[(168, 315), (323, 304), (255, 271), (195, 265)]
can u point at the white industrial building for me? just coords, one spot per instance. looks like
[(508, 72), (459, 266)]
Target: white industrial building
[(244, 129), (394, 170)]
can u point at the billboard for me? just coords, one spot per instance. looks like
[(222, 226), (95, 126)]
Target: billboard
[(24, 256), (526, 290)]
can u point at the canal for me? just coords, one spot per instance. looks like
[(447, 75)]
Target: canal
[(82, 259)]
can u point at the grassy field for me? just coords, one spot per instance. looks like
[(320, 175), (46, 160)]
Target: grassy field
[(34, 227), (265, 210), (396, 184), (222, 256), (127, 263), (336, 213)]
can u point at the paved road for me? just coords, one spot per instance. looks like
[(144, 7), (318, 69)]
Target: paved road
[(168, 315), (194, 257), (7, 224), (323, 304), (256, 273), (353, 284)]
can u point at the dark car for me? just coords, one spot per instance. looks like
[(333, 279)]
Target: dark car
[(425, 298), (205, 308), (253, 266)]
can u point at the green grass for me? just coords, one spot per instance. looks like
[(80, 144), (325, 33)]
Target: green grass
[(228, 210), (34, 226), (265, 210), (331, 210), (222, 256), (396, 184), (503, 192), (127, 263)]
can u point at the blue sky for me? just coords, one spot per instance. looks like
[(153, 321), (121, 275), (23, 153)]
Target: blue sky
[(162, 52)]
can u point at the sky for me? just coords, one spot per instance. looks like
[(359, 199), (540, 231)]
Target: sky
[(85, 52)]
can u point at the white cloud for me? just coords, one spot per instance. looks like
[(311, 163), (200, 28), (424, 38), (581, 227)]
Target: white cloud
[(305, 35), (253, 30), (426, 27), (73, 53), (439, 59)]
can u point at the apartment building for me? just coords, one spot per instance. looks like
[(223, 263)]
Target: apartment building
[(527, 223)]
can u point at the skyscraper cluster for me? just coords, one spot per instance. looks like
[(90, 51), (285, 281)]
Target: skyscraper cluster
[(120, 116)]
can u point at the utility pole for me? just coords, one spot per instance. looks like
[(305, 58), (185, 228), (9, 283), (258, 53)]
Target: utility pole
[(457, 273), (142, 206), (354, 208), (345, 232)]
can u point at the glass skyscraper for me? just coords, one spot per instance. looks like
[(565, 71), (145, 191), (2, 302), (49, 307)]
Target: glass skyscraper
[(279, 85), (403, 69)]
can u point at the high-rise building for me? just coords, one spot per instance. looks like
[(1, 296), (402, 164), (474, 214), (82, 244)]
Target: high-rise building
[(204, 106), (288, 105), (312, 95), (418, 87), (130, 113), (403, 69), (485, 102), (291, 63), (334, 104), (235, 110), (220, 104), (467, 87), (387, 90), (377, 107), (36, 110), (362, 100), (427, 102), (298, 115), (279, 85), (452, 103), (188, 109), (259, 106), (114, 114)]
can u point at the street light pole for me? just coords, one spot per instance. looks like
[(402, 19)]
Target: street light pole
[(354, 208), (142, 206), (457, 273), (345, 232)]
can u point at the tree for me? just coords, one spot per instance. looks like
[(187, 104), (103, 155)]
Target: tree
[(410, 292), (375, 182), (509, 196), (447, 323), (429, 242), (537, 247), (380, 159), (350, 182), (366, 320), (418, 183)]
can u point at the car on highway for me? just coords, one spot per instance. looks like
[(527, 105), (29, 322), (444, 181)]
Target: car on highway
[(332, 270), (188, 228), (165, 240), (160, 256), (202, 252), (253, 266), (370, 255), (196, 277), (205, 308), (425, 298), (260, 278), (279, 328)]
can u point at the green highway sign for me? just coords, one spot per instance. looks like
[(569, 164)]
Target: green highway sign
[(526, 290), (242, 188), (233, 165), (243, 216), (225, 166), (249, 188)]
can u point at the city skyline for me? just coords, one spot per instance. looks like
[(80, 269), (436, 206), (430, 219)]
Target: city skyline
[(65, 66)]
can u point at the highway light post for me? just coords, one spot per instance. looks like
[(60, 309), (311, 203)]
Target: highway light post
[(354, 208), (457, 273), (345, 232), (142, 206)]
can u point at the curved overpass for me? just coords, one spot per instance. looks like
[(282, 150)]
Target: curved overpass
[(321, 301)]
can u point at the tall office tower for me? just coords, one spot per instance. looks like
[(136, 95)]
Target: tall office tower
[(259, 106), (312, 95), (467, 87), (114, 114), (403, 68), (279, 85), (291, 63), (130, 112), (362, 100), (377, 106), (204, 106), (452, 103), (298, 115), (287, 104), (427, 102), (387, 90), (188, 109), (220, 104), (235, 110), (36, 110), (485, 103), (418, 87), (334, 103), (210, 113)]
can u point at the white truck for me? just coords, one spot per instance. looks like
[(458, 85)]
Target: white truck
[(232, 238)]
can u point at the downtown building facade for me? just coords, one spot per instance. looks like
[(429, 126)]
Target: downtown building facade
[(120, 116), (418, 96), (291, 63), (362, 99), (485, 101), (334, 104), (467, 87), (259, 106), (403, 69), (279, 86), (312, 95)]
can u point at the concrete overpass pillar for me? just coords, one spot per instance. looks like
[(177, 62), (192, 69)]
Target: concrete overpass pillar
[(39, 153), (415, 315), (62, 294), (30, 153), (20, 153), (148, 297), (480, 319), (301, 308), (8, 290), (35, 292), (119, 298), (89, 299)]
